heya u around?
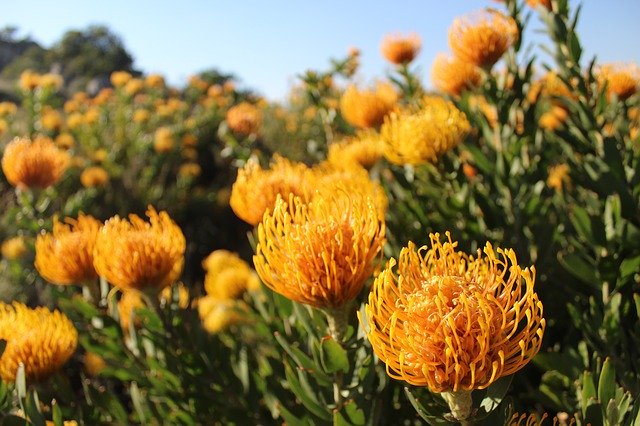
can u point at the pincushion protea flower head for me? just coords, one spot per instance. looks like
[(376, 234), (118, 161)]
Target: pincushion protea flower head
[(415, 137), (320, 253), (36, 164), (367, 108), (622, 80), (65, 256), (39, 339), (244, 118), (399, 49), (452, 75), (228, 276), (535, 3), (452, 322), (481, 38), (255, 189), (134, 254), (364, 149)]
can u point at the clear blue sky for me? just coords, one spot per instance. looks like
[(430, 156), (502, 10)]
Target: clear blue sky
[(266, 43)]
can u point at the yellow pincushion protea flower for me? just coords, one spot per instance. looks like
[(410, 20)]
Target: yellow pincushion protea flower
[(399, 49), (94, 176), (134, 254), (453, 76), (417, 137), (39, 339), (481, 38), (65, 256), (218, 314), (13, 248), (622, 80), (244, 118), (452, 322), (255, 189), (364, 149), (228, 276), (128, 303), (367, 108), (320, 253), (37, 164)]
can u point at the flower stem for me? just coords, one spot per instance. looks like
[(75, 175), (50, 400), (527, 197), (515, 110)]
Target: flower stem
[(337, 321), (461, 405)]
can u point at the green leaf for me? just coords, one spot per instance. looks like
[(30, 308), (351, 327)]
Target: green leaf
[(292, 419), (334, 357), (309, 400), (580, 268), (56, 414), (607, 383), (495, 394), (429, 417), (350, 415), (12, 420), (589, 227), (303, 361), (588, 391)]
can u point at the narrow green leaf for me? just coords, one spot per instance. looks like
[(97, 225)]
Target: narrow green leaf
[(309, 401), (350, 415), (495, 394), (607, 383), (303, 361), (56, 414), (334, 357), (588, 391), (580, 268)]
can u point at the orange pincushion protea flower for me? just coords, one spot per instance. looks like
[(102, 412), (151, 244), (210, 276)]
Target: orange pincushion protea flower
[(367, 108), (255, 189), (400, 50), (622, 80), (39, 339), (452, 322), (228, 276), (452, 75), (134, 254), (65, 256), (320, 253), (37, 164), (483, 37), (545, 3), (364, 149), (244, 118)]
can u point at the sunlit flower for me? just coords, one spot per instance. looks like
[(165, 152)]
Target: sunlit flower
[(91, 116), (228, 276), (13, 248), (217, 314), (39, 339), (36, 164), (120, 78), (93, 364), (65, 256), (134, 254), (99, 155), (483, 37), (189, 139), (320, 253), (418, 137), (559, 177), (29, 80), (365, 149), (549, 86), (190, 170), (244, 118), (490, 112), (453, 76), (163, 140), (7, 108), (133, 86), (103, 96), (167, 295), (50, 81), (255, 189), (141, 115), (452, 322), (545, 3), (155, 81), (94, 176), (367, 108), (622, 79), (130, 300), (198, 83), (399, 49), (65, 140), (74, 120), (50, 119)]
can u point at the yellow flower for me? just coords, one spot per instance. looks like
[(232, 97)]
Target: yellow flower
[(490, 112), (217, 314), (228, 276), (13, 248), (29, 80), (135, 254), (549, 86), (75, 119), (400, 50), (120, 78), (39, 339), (155, 81), (244, 118), (166, 295), (452, 322), (422, 136), (103, 96), (452, 75), (163, 140), (94, 176), (189, 170), (91, 116), (7, 108), (141, 115), (189, 139), (36, 164), (554, 118), (65, 140), (50, 81), (545, 3), (93, 364), (320, 253), (367, 108), (622, 79), (99, 155), (255, 189), (130, 300), (365, 149), (51, 119), (559, 178), (65, 256), (483, 37)]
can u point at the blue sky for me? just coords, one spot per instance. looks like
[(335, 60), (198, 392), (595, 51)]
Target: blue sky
[(266, 43)]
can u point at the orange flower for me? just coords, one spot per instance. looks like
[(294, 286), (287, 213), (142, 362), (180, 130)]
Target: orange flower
[(400, 50), (36, 164), (94, 176), (559, 177), (65, 256), (154, 81), (134, 254), (365, 149), (228, 276), (482, 38), (120, 78), (130, 300), (13, 248), (545, 3), (320, 253), (622, 79), (244, 118), (453, 76), (163, 140), (255, 189), (367, 108), (554, 118), (452, 322), (39, 339)]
